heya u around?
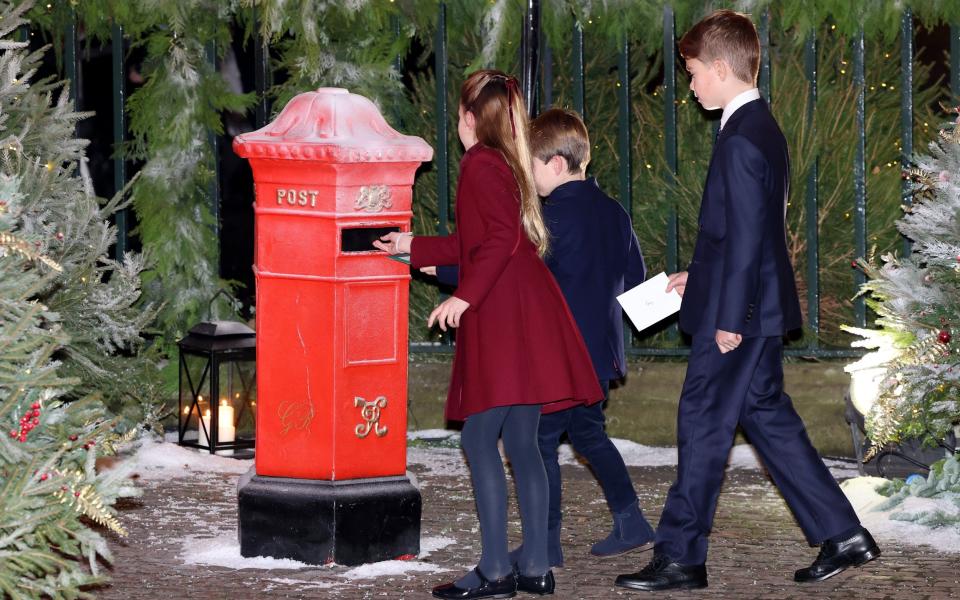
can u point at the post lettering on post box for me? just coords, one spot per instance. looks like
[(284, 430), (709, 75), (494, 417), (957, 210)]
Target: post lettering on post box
[(295, 197)]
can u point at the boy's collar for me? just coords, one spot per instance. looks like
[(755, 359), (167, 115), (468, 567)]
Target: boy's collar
[(571, 188), (738, 101)]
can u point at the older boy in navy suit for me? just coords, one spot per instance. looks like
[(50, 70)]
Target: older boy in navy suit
[(594, 256), (739, 299)]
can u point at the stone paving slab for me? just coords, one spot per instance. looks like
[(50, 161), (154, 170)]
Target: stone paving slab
[(755, 547)]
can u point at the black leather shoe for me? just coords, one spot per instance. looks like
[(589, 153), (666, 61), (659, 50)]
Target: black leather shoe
[(835, 557), (505, 587), (540, 585), (662, 574)]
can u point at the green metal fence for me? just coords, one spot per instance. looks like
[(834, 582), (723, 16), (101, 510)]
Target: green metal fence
[(532, 43), (670, 98)]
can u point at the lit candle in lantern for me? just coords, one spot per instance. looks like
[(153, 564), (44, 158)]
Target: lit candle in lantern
[(203, 434), (226, 430)]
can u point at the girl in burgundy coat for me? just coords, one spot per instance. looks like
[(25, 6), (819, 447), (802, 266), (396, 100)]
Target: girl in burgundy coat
[(518, 349)]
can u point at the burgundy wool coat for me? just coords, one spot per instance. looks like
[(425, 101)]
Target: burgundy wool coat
[(518, 342)]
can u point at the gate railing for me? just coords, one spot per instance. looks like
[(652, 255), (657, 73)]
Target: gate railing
[(532, 43)]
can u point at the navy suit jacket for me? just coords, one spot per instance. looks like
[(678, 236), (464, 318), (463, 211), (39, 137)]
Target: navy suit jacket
[(594, 256), (740, 279)]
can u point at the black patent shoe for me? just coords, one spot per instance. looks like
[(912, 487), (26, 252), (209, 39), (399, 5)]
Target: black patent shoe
[(662, 574), (540, 585), (505, 587), (835, 557)]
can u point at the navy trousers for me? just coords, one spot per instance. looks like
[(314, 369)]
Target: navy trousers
[(586, 428), (746, 387)]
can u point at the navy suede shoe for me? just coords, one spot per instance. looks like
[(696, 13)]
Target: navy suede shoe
[(630, 531)]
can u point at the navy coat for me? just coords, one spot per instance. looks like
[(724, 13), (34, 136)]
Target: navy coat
[(594, 256), (740, 279)]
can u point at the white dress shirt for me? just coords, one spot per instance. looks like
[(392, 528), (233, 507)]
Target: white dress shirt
[(738, 101)]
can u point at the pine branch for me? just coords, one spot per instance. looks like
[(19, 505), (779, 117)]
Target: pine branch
[(24, 249)]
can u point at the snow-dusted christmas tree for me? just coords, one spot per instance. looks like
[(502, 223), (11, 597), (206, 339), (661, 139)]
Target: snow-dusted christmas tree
[(97, 298), (70, 327), (909, 385), (48, 479)]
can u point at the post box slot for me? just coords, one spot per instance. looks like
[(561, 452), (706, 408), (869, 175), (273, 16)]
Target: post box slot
[(360, 239)]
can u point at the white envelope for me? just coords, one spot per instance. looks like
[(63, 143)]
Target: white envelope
[(648, 303)]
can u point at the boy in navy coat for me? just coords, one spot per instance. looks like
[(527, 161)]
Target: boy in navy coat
[(739, 299), (594, 256)]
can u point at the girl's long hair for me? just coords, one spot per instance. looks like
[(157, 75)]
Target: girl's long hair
[(501, 122)]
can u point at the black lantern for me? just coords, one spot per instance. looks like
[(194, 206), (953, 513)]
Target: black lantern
[(218, 388), (896, 459)]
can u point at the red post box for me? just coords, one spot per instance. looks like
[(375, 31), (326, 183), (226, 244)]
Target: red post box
[(330, 176)]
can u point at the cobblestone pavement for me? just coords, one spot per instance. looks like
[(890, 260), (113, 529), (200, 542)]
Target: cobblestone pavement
[(755, 547)]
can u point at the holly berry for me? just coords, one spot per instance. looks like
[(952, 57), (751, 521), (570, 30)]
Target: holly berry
[(28, 422), (76, 494), (44, 477), (73, 437), (944, 336)]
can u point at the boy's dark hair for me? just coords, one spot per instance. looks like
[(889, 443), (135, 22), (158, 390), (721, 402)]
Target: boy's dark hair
[(726, 35), (559, 132)]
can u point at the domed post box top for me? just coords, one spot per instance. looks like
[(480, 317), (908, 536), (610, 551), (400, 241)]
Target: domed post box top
[(331, 125)]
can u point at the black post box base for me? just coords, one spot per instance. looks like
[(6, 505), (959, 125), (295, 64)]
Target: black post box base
[(316, 522)]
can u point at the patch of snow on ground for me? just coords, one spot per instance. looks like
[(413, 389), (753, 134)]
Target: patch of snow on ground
[(841, 469), (638, 455), (433, 434), (743, 456), (224, 551), (391, 567), (432, 544), (153, 459), (439, 461), (301, 584), (450, 461), (862, 493), (634, 454)]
